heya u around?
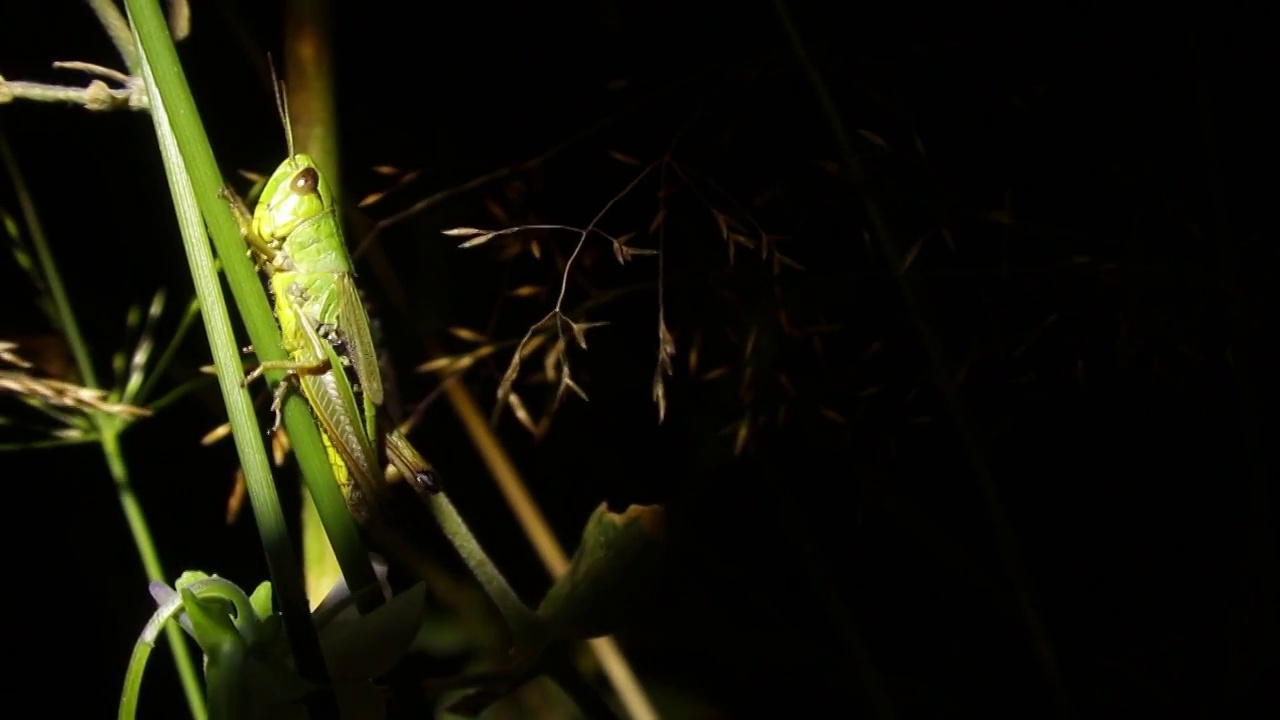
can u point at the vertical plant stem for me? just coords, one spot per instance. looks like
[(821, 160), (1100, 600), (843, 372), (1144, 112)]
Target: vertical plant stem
[(64, 316), (525, 626), (308, 69), (913, 295), (193, 174), (192, 687), (107, 427), (259, 321), (309, 78)]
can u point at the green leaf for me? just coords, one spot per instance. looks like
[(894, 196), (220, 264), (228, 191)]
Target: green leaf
[(211, 623), (358, 648), (615, 561), (261, 601), (441, 635)]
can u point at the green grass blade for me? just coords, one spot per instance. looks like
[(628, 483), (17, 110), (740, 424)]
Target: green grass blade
[(107, 428), (186, 154), (250, 298)]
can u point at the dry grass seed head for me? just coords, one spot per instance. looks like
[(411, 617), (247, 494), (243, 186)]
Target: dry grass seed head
[(216, 434), (235, 501), (660, 393), (567, 383), (467, 335), (520, 412), (527, 291), (280, 446), (553, 359), (7, 355), (41, 391)]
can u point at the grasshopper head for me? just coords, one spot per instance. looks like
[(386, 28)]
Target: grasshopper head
[(295, 193)]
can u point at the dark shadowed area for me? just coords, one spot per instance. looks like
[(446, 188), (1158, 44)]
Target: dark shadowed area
[(970, 405)]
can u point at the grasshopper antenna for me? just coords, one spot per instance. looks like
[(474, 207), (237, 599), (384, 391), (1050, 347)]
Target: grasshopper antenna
[(282, 105)]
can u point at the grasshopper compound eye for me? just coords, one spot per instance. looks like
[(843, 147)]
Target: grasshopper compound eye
[(305, 182)]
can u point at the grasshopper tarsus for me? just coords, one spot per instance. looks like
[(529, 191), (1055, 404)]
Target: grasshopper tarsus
[(254, 374), (277, 399)]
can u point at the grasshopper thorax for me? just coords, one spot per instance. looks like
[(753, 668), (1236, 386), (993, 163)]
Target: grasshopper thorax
[(295, 193)]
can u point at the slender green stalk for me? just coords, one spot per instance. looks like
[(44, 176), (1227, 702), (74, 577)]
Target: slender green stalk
[(185, 149), (64, 316), (311, 102), (107, 427), (308, 70), (311, 108), (309, 80), (526, 628), (252, 304), (191, 686), (41, 444), (171, 349)]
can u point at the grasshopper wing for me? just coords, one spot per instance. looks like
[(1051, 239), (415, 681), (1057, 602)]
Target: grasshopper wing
[(333, 402), (353, 326)]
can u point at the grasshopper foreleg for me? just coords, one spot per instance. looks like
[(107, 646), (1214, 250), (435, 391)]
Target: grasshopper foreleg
[(260, 249)]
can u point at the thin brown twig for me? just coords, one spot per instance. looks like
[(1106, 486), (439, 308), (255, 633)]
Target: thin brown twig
[(117, 28), (582, 239), (478, 182), (681, 171), (666, 344), (556, 313)]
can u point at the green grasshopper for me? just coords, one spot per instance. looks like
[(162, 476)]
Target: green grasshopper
[(295, 234)]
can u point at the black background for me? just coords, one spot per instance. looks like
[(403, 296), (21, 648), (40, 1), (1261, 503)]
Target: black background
[(1109, 342)]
